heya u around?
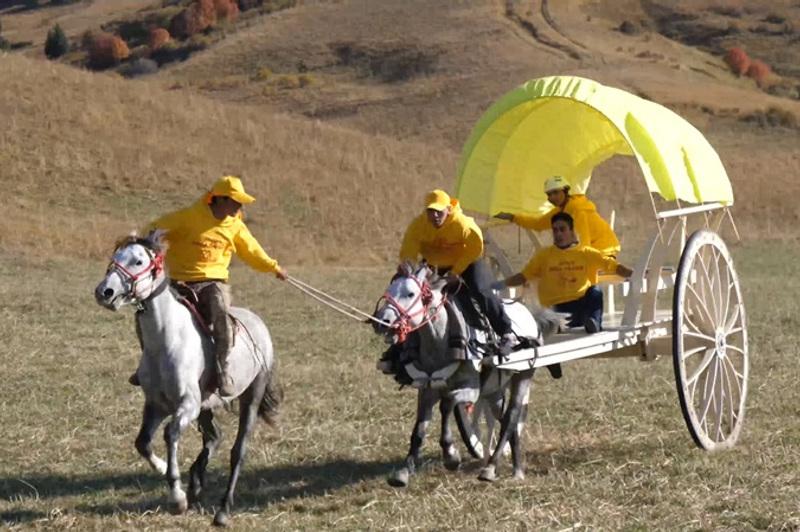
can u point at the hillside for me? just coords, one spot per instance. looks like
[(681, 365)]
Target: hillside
[(391, 92)]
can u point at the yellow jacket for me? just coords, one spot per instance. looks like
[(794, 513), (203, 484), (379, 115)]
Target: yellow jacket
[(455, 245), (590, 227), (200, 246), (565, 274)]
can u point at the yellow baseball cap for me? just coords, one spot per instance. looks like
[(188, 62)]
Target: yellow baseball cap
[(555, 183), (437, 199), (231, 186)]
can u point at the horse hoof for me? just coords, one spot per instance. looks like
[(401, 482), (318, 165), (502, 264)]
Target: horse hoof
[(399, 479), (452, 460), (488, 474), (221, 518), (179, 507), (519, 474)]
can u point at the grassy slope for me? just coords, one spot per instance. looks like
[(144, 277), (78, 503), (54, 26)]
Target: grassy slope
[(90, 156)]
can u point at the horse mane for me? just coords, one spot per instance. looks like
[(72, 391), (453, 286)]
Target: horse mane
[(153, 242)]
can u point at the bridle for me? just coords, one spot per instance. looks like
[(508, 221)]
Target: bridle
[(132, 280), (402, 326)]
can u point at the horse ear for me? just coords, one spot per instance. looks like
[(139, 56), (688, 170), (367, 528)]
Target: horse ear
[(158, 241)]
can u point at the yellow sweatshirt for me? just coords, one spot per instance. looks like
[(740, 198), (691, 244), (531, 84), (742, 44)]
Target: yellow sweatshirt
[(565, 274), (455, 245), (200, 246), (590, 227)]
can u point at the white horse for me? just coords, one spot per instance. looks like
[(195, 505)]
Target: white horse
[(177, 368), (414, 302)]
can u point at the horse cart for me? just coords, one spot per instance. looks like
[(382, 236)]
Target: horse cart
[(684, 297)]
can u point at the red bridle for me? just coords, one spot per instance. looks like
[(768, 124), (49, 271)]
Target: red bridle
[(402, 326), (155, 267)]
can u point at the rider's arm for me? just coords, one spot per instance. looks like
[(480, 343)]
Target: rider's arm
[(515, 280), (250, 251), (537, 222), (410, 248), (473, 249)]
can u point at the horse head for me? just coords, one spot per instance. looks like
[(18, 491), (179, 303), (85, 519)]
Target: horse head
[(135, 272), (404, 306)]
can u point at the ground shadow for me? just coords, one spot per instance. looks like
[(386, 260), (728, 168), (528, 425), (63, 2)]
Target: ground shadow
[(256, 488)]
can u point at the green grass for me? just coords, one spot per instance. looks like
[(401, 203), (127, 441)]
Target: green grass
[(606, 445)]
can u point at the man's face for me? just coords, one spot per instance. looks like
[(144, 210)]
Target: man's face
[(437, 218), (226, 206), (557, 197), (563, 236)]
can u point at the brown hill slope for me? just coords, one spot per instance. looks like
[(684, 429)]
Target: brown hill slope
[(86, 157)]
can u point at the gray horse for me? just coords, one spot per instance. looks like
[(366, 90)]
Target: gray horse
[(414, 302), (177, 368)]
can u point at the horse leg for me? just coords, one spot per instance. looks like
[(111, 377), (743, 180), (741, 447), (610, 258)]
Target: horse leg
[(517, 458), (426, 400), (151, 419), (520, 385), (248, 414), (450, 454), (212, 435), (187, 412)]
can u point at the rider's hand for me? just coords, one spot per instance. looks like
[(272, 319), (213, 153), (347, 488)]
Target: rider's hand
[(281, 274), (505, 216)]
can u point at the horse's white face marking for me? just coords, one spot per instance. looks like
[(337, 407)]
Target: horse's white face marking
[(405, 299), (117, 289)]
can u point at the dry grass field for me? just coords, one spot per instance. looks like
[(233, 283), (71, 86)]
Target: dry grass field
[(339, 163), (606, 445)]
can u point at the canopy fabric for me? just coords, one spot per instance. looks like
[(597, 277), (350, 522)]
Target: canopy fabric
[(565, 125)]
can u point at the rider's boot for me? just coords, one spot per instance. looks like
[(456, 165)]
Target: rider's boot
[(223, 341)]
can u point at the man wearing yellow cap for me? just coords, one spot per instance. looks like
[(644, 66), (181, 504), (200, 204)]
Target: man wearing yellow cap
[(590, 227), (202, 239), (451, 241)]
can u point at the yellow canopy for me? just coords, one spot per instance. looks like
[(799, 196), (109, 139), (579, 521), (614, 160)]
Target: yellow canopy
[(565, 125)]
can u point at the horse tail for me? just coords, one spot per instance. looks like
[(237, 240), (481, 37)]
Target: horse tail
[(273, 396)]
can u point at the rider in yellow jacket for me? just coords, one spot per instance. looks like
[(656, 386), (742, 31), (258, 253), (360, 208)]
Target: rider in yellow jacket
[(450, 240), (202, 240), (592, 230)]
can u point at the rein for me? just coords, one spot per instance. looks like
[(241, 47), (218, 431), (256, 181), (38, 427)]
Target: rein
[(336, 304)]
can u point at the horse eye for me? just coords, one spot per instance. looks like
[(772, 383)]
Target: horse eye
[(410, 294)]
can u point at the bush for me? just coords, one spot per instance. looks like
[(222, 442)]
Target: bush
[(56, 44), (158, 38), (738, 60), (263, 74), (759, 71), (201, 14), (226, 10), (139, 67), (107, 50)]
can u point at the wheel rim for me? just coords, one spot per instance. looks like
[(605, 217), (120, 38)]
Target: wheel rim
[(710, 342)]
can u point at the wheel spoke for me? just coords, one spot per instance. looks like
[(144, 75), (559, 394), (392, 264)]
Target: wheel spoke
[(739, 376), (719, 400), (709, 396), (728, 368), (690, 352), (736, 348), (709, 284), (702, 305), (701, 367), (701, 336), (731, 322), (718, 278)]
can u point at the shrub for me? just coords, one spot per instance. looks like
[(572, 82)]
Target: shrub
[(200, 15), (226, 10), (56, 44), (158, 38), (107, 50), (738, 60), (139, 67), (263, 74), (759, 71), (87, 38)]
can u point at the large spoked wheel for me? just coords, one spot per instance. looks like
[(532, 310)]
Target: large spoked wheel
[(709, 342)]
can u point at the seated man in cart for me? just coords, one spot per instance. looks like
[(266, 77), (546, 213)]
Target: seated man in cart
[(590, 227), (452, 242), (567, 273)]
